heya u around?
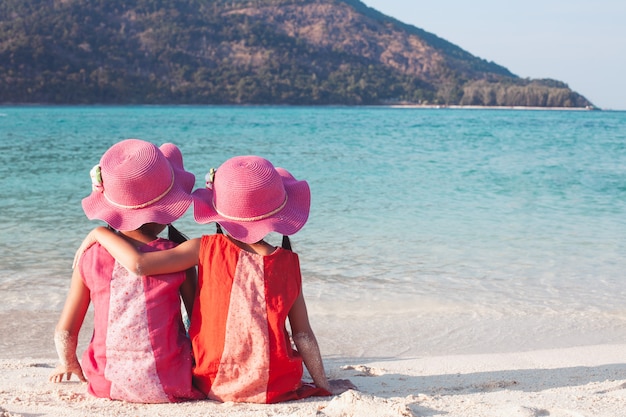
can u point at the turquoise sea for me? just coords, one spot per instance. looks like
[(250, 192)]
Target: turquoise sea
[(432, 231)]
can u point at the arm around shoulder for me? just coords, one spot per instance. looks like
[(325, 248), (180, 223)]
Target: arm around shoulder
[(180, 258)]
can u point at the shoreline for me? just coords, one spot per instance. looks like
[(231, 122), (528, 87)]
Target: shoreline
[(579, 381), (379, 331), (471, 107)]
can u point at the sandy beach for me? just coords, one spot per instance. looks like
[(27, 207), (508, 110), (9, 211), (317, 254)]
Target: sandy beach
[(581, 381)]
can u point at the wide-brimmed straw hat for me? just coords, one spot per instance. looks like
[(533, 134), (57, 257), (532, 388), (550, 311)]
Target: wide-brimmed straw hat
[(137, 183), (250, 198)]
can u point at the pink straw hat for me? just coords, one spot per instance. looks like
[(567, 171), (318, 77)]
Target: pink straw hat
[(250, 198), (137, 183)]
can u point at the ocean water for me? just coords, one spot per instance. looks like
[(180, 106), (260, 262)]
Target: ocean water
[(432, 231)]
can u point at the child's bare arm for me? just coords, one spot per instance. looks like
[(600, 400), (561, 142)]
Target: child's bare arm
[(306, 343), (307, 346), (68, 328)]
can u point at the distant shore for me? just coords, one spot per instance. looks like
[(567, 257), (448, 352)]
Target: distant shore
[(453, 106), (388, 105)]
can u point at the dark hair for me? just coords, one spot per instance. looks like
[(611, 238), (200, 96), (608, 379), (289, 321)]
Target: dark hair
[(286, 242), (285, 245), (175, 235)]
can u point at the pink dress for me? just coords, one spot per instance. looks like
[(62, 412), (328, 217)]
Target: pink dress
[(139, 351), (242, 349)]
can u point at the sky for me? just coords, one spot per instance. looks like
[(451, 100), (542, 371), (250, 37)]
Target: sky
[(579, 42)]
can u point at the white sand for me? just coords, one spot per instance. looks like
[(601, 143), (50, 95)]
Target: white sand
[(581, 381)]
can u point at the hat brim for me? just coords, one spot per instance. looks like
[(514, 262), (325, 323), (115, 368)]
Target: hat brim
[(287, 221), (165, 211)]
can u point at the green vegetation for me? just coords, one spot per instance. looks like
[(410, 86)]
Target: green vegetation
[(534, 93), (237, 52)]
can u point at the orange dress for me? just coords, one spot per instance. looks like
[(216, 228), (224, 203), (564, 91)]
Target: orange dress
[(242, 349)]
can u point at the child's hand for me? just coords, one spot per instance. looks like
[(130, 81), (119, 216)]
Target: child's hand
[(337, 386), (89, 241), (62, 370)]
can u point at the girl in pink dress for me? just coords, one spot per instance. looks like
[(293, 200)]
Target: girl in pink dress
[(247, 288), (139, 351)]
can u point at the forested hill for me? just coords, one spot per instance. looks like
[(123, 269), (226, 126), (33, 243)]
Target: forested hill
[(243, 52)]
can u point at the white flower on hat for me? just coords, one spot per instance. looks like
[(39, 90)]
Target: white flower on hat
[(210, 178), (96, 179)]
